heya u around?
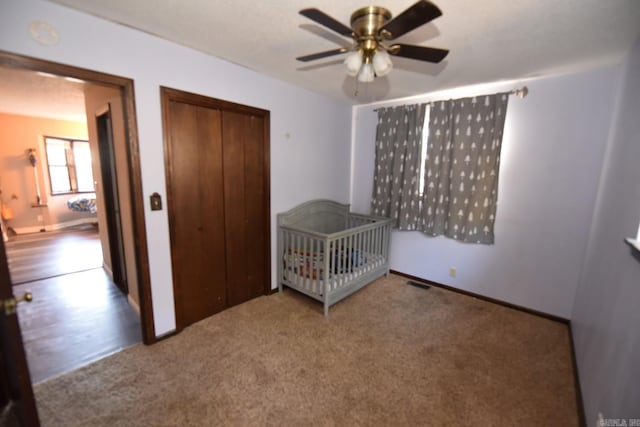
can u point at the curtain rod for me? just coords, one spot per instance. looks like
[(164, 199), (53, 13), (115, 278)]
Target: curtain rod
[(520, 93)]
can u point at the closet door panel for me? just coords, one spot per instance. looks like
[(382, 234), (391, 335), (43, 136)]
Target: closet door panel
[(244, 182), (211, 201), (256, 226), (196, 211)]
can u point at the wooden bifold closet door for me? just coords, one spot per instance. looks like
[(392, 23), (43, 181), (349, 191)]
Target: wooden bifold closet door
[(216, 156)]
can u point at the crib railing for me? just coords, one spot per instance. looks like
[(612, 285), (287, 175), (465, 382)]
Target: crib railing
[(356, 249), (356, 220), (301, 263), (317, 263)]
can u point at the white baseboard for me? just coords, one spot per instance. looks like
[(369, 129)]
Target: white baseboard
[(54, 227), (130, 300), (108, 271), (27, 230), (133, 304)]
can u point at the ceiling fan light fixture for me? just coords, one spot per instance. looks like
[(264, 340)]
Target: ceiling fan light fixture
[(382, 63), (371, 27), (353, 61), (366, 74)]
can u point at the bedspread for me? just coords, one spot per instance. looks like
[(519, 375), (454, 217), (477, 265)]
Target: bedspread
[(83, 203)]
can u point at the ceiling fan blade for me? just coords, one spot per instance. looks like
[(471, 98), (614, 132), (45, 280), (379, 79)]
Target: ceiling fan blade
[(320, 55), (418, 14), (430, 54), (327, 21)]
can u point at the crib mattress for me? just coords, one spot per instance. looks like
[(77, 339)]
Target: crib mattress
[(302, 277)]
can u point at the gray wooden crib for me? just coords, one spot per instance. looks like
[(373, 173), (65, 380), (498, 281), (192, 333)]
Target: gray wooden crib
[(328, 253)]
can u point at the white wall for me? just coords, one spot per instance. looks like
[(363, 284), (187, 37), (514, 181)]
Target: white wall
[(553, 146), (313, 162), (606, 314)]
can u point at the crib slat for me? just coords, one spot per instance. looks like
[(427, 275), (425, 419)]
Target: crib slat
[(341, 258), (356, 253), (290, 254), (346, 255), (317, 275), (327, 276), (349, 256), (361, 248), (300, 253), (328, 262), (338, 260), (306, 251), (387, 235), (314, 265)]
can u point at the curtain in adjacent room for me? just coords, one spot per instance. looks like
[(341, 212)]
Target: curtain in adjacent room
[(461, 169), (397, 165)]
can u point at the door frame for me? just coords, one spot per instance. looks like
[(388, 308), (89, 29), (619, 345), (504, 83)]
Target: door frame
[(168, 95), (108, 170), (125, 85)]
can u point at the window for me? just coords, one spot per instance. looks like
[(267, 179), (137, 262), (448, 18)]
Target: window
[(423, 154), (69, 163), (460, 167)]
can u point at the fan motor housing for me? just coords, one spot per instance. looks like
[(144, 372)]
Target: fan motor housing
[(366, 22)]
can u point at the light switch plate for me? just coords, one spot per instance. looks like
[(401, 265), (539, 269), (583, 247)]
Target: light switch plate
[(156, 202)]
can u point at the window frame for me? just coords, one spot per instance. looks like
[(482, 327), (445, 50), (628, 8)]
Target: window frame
[(70, 165)]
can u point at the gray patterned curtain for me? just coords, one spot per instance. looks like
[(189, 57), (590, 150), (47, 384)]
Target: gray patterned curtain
[(396, 174), (461, 169)]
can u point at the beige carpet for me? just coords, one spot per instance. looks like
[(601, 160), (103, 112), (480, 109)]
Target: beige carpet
[(391, 354)]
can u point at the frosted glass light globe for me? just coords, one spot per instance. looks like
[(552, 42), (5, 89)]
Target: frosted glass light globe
[(353, 61), (382, 63), (366, 74)]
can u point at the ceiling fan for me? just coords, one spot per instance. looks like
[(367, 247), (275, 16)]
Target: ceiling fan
[(370, 28)]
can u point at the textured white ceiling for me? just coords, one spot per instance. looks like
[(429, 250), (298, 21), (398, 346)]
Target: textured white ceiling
[(489, 40), (28, 93)]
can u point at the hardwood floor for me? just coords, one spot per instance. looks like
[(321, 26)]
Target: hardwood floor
[(41, 255), (74, 318)]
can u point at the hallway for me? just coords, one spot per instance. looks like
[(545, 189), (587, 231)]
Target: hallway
[(75, 317)]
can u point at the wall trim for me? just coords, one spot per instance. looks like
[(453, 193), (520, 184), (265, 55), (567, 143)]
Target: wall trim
[(133, 304), (107, 270), (485, 298), (574, 363), (582, 417), (54, 227)]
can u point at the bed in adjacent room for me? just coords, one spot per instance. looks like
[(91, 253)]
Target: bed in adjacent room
[(85, 202)]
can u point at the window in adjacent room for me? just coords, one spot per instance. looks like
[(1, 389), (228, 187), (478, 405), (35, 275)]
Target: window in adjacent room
[(69, 164)]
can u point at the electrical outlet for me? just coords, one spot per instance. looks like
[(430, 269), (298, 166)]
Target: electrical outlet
[(453, 271), (39, 218)]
